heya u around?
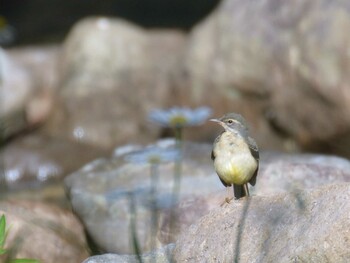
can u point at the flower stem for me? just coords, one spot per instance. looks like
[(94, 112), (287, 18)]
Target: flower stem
[(133, 232), (154, 210), (178, 136)]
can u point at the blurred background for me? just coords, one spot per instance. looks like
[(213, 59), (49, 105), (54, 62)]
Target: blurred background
[(78, 78), (39, 21)]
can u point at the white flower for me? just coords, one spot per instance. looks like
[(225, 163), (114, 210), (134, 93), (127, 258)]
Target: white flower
[(180, 117)]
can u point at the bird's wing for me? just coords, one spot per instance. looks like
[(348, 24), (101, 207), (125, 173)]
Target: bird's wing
[(254, 150), (212, 152), (253, 147)]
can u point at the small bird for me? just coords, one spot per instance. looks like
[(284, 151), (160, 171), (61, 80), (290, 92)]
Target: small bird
[(235, 155)]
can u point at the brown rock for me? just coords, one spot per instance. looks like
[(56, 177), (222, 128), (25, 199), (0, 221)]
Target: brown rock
[(43, 232)]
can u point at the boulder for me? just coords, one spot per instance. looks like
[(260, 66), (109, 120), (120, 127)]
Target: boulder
[(107, 193), (44, 232), (305, 226), (278, 173), (29, 78), (281, 64), (112, 74)]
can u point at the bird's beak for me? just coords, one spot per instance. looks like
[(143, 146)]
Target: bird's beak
[(214, 120), (217, 121)]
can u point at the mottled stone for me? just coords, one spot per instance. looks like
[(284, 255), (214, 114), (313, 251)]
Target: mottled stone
[(305, 226), (279, 173)]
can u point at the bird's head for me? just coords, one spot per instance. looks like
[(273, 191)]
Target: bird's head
[(232, 122)]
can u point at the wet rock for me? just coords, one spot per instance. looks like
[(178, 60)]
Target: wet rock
[(307, 226), (43, 232), (103, 192), (113, 74), (280, 62), (162, 255), (36, 159)]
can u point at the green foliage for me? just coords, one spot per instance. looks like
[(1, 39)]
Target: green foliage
[(3, 235)]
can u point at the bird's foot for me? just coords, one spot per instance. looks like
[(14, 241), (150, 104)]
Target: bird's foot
[(226, 201)]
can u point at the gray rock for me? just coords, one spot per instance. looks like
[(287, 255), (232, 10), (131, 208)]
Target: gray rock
[(100, 192), (279, 173), (113, 73), (44, 232), (162, 255), (306, 226), (278, 61)]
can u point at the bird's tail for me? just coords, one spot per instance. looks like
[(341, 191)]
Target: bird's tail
[(240, 190)]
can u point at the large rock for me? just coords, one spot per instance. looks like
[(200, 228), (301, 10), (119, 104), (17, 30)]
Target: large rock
[(279, 173), (100, 192), (103, 192), (43, 232), (28, 80), (279, 61), (281, 65), (15, 88), (307, 226), (113, 74)]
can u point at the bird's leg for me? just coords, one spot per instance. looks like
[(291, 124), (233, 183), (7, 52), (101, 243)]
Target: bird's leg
[(246, 190), (228, 198)]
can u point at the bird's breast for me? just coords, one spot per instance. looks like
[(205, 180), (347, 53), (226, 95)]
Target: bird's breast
[(233, 160)]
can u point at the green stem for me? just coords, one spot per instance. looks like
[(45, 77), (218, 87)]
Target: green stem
[(154, 210), (133, 232), (175, 192), (178, 136)]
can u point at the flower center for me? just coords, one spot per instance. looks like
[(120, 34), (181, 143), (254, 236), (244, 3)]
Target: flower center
[(178, 121), (154, 159)]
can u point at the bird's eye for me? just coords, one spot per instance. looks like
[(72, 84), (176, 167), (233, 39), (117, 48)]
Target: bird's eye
[(230, 121)]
